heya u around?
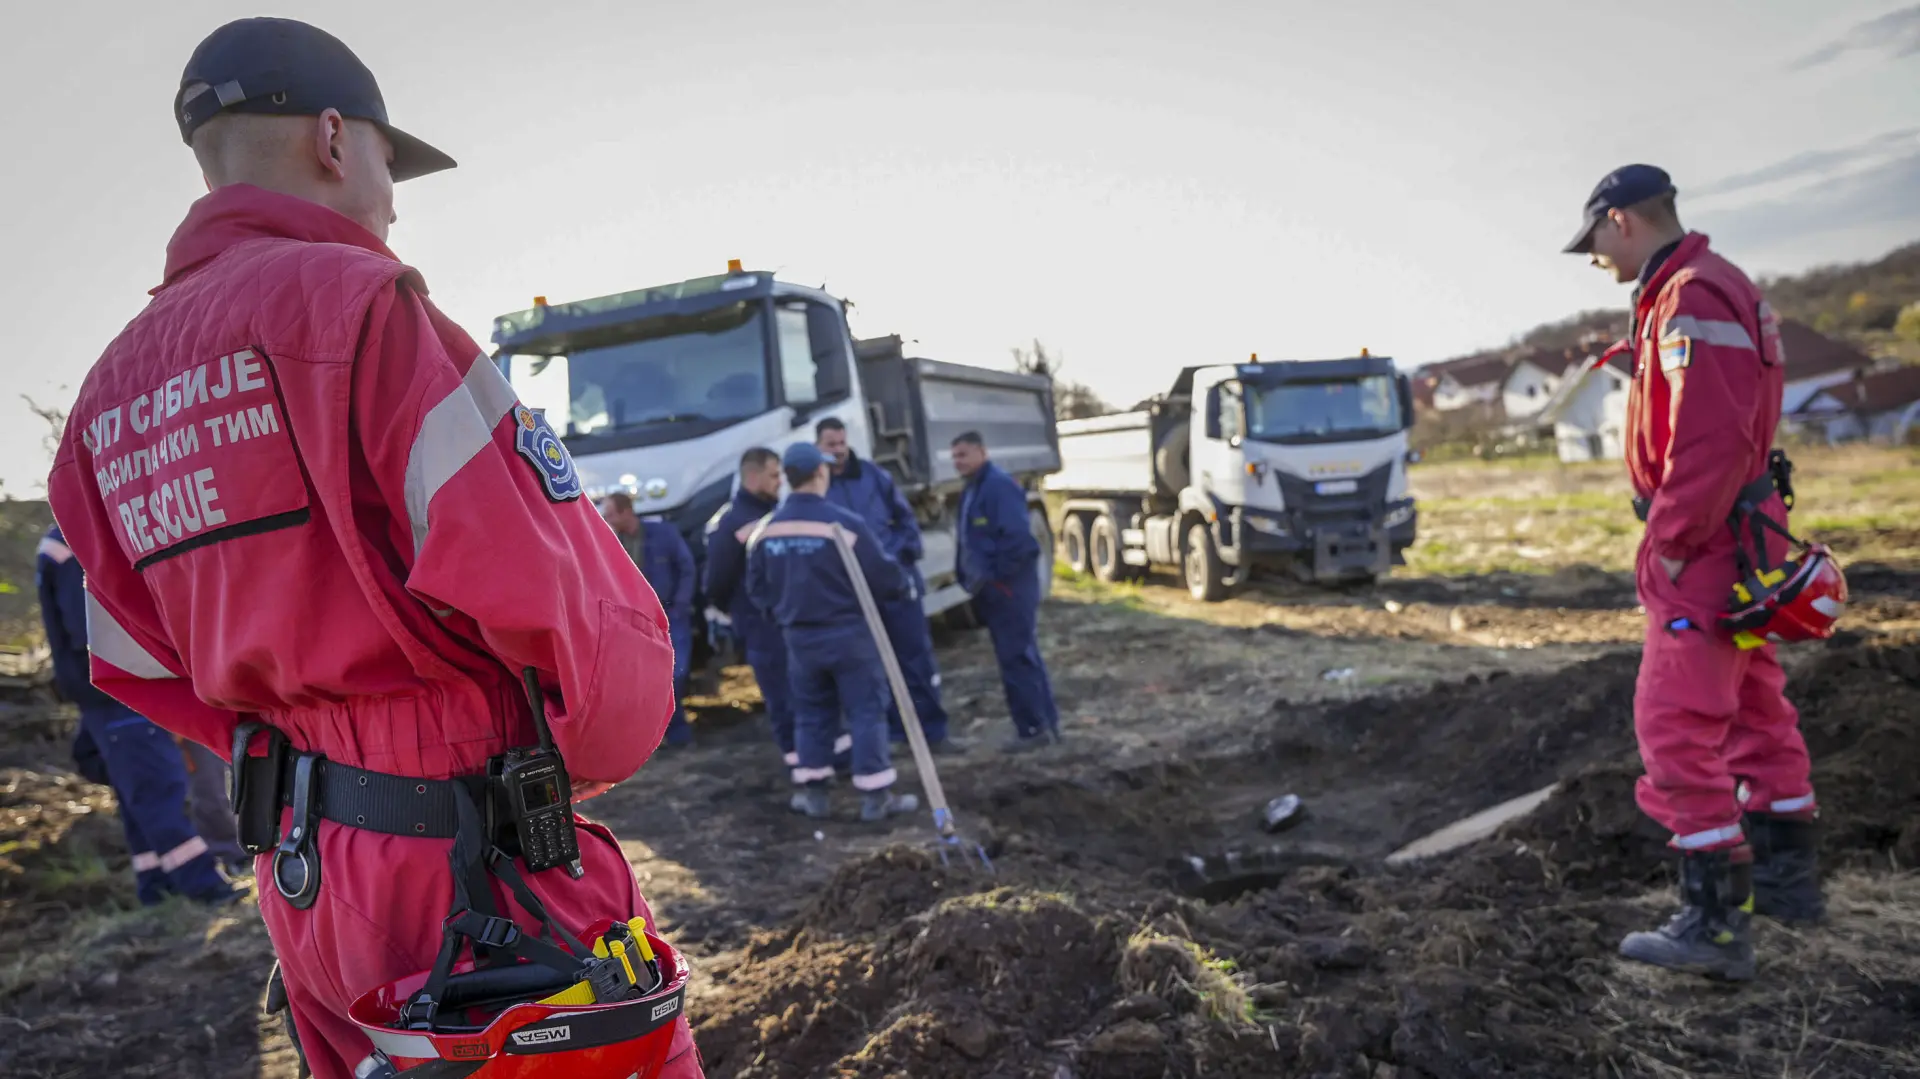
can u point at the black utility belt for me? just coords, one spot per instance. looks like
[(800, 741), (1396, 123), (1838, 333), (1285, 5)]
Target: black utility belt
[(1752, 495), (328, 790), (317, 789)]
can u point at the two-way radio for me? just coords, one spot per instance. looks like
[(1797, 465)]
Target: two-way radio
[(539, 795)]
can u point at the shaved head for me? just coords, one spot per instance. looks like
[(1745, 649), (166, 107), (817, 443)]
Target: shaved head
[(344, 165)]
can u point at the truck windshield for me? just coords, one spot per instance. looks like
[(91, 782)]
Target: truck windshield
[(1298, 411), (709, 368)]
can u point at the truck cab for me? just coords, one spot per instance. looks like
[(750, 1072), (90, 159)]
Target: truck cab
[(1298, 466), (658, 392)]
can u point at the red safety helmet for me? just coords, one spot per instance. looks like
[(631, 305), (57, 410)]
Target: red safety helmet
[(526, 1020), (1799, 601)]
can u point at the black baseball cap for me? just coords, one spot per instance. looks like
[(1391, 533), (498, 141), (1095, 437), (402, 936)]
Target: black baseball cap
[(1625, 186), (288, 68)]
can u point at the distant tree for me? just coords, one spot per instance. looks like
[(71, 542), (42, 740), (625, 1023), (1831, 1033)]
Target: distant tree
[(1071, 400), (1907, 326), (56, 421)]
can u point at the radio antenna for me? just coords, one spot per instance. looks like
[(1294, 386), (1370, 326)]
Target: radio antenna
[(538, 701)]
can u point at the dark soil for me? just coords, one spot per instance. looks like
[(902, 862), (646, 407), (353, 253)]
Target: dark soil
[(1140, 921), (1081, 957)]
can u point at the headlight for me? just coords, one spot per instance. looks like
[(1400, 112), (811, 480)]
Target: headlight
[(1268, 525), (1399, 516)]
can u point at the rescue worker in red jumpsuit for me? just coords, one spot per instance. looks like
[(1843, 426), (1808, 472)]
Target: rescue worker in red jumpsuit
[(304, 498), (1726, 767)]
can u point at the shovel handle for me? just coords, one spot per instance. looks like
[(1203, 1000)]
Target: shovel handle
[(910, 719)]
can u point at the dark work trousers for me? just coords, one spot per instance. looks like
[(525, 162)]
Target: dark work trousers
[(1011, 610)]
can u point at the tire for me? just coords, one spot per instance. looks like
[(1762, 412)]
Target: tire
[(1073, 543), (1103, 550), (1206, 574), (1042, 530)]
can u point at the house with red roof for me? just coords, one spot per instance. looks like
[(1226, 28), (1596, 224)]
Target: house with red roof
[(1880, 405)]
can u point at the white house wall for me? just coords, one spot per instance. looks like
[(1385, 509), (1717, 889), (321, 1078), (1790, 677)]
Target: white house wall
[(1799, 392), (1527, 390), (1597, 413)]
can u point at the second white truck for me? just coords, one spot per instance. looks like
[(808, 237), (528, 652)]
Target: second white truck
[(1297, 466)]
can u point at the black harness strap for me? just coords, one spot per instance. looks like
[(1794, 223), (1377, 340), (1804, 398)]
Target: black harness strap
[(474, 918)]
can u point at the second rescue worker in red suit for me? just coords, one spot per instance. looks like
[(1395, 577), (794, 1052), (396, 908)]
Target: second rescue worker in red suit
[(1727, 770), (305, 497)]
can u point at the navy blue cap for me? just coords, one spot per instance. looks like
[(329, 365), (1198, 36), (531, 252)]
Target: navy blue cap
[(288, 68), (1623, 187), (804, 456)]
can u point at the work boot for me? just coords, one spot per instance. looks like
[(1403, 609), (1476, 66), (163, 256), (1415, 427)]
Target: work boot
[(879, 805), (1026, 743), (949, 747), (812, 801), (1712, 934), (1786, 868)]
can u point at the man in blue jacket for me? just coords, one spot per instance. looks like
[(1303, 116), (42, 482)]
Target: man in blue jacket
[(726, 571), (998, 562), (795, 573), (142, 764), (666, 562), (868, 491)]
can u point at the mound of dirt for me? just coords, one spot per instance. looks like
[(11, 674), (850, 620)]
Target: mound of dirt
[(1501, 961)]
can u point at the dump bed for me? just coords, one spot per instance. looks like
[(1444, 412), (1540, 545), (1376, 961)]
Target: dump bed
[(1106, 455), (917, 406)]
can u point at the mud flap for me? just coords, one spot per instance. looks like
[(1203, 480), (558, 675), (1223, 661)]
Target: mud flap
[(274, 1001)]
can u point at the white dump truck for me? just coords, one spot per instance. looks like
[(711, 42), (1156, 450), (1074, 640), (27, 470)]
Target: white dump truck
[(658, 392), (1297, 466)]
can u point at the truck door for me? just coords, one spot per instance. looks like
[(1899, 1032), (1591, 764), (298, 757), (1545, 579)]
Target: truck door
[(1218, 461)]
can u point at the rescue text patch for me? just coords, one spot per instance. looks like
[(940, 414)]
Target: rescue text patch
[(204, 456), (1676, 352), (538, 443)]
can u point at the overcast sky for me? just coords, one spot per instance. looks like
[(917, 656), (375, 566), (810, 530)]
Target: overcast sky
[(1138, 185)]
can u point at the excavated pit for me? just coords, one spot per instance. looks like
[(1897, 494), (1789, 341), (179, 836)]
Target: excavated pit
[(1144, 925)]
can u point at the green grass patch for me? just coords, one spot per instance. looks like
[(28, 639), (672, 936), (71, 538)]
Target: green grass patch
[(1084, 587)]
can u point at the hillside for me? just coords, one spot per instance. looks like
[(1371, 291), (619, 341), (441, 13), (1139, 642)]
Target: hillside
[(1859, 302)]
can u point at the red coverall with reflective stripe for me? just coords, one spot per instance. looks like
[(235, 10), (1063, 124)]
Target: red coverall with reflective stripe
[(1701, 414), (299, 492)]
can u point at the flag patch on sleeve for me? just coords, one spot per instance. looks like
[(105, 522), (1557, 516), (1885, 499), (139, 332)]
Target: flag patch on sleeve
[(1676, 352)]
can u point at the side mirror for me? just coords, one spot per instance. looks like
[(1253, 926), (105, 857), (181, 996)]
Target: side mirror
[(1213, 413), (1405, 385)]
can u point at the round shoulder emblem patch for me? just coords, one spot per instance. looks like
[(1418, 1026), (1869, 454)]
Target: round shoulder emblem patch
[(537, 442)]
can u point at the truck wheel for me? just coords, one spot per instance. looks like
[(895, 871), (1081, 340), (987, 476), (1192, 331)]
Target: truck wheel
[(1206, 574), (1073, 542), (1103, 544), (1043, 535)]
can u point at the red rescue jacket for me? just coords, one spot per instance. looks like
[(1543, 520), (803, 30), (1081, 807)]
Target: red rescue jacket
[(300, 492), (1706, 398)]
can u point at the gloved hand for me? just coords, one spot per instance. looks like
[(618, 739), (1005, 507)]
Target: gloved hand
[(717, 617)]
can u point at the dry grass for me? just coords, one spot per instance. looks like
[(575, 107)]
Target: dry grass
[(1849, 983), (1539, 515)]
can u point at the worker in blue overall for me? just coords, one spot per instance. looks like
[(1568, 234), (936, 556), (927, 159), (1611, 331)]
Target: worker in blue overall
[(998, 563), (666, 562), (869, 491), (797, 576), (141, 762), (759, 635)]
